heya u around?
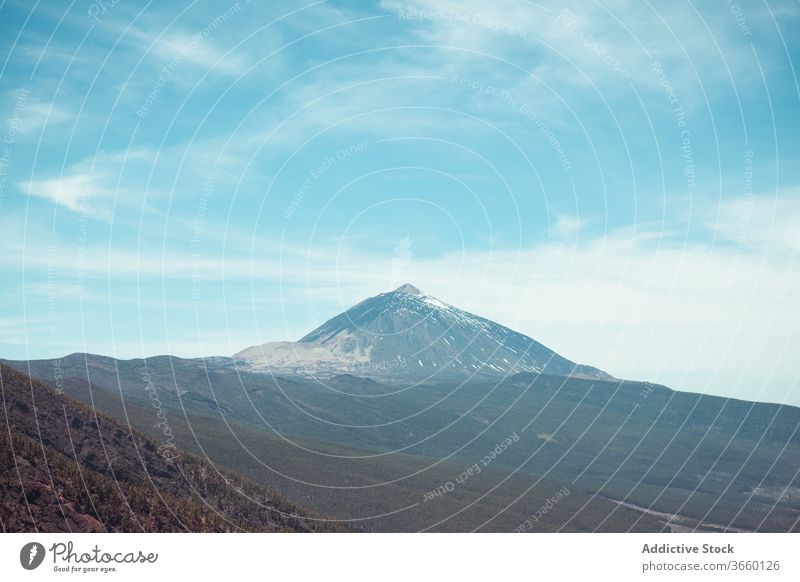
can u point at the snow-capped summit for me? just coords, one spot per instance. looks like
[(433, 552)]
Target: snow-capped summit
[(408, 288), (406, 335)]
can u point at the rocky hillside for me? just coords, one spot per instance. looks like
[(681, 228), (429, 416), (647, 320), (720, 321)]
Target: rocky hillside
[(66, 468)]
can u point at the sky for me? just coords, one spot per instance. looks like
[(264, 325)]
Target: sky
[(618, 180)]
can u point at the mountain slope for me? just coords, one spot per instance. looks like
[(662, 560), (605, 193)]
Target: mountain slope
[(63, 467), (333, 483), (715, 460), (404, 335)]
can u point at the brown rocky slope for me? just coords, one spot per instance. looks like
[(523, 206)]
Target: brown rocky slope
[(67, 468)]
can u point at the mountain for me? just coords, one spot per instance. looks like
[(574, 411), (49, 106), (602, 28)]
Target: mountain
[(66, 468), (407, 335)]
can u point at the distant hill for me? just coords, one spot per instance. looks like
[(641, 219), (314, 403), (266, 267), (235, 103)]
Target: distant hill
[(66, 468), (407, 335)]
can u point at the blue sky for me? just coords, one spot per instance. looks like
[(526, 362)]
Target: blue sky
[(617, 180)]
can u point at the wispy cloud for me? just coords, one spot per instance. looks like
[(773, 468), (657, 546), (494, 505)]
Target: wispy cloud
[(607, 46), (68, 191), (183, 47), (36, 115), (766, 220), (566, 226)]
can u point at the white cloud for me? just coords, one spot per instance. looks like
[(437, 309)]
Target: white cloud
[(183, 47), (68, 191), (129, 179), (767, 220), (607, 45), (566, 226), (200, 44), (35, 115)]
